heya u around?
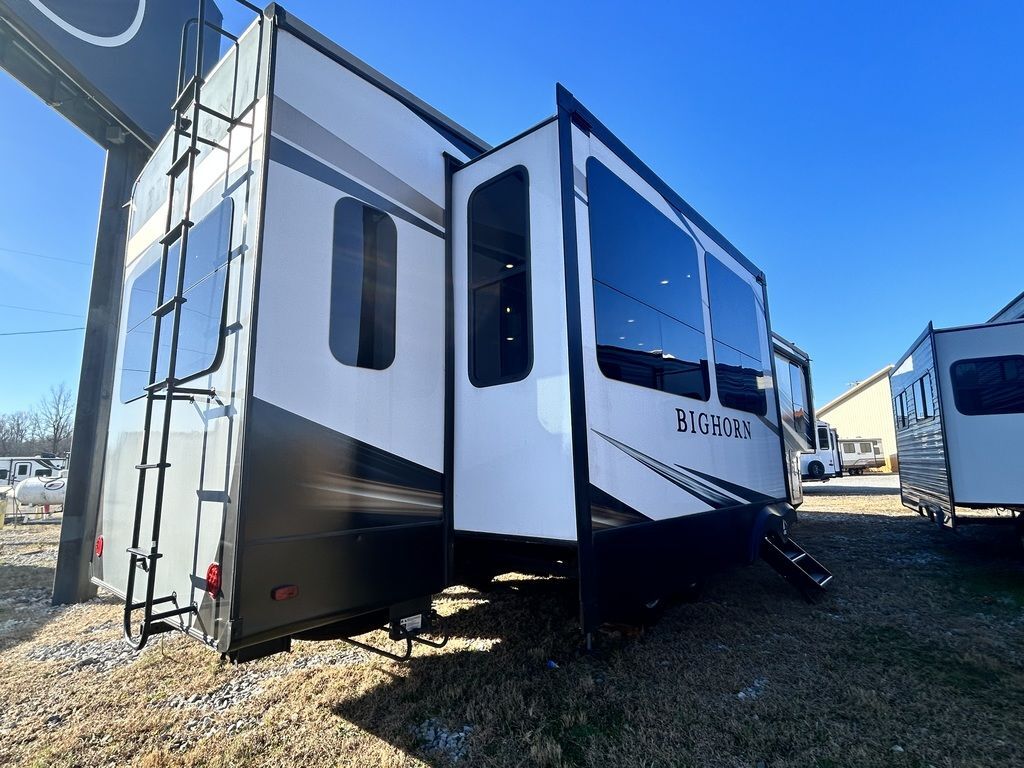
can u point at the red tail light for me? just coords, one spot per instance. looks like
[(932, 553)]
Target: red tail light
[(213, 579), (99, 546), (286, 592)]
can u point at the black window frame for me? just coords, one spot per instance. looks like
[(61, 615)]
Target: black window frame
[(818, 432), (954, 383), (147, 262), (471, 287), (759, 308), (644, 304), (4, 474), (22, 466), (924, 398), (333, 329)]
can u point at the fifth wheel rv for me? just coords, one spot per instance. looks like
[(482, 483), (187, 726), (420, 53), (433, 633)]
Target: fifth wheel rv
[(362, 355), (958, 404)]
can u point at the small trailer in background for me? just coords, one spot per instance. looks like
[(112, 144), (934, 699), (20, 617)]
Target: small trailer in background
[(958, 406), (860, 454), (14, 469), (825, 460)]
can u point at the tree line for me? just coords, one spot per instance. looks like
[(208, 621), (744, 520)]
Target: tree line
[(46, 428)]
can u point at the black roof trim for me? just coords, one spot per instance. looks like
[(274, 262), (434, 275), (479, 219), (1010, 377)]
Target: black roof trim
[(466, 141), (569, 102), (1015, 301)]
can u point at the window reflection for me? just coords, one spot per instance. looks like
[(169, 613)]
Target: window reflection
[(647, 296)]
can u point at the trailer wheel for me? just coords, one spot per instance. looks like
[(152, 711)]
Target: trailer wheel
[(816, 470)]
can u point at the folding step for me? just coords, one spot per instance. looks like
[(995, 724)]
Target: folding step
[(795, 565), (158, 465)]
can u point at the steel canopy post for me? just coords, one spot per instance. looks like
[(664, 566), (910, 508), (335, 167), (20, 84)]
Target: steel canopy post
[(95, 388)]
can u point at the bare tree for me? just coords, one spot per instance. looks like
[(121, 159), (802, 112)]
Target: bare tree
[(54, 419), (15, 432)]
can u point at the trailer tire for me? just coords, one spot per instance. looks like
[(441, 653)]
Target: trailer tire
[(816, 470)]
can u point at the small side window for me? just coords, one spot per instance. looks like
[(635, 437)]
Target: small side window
[(924, 398), (364, 282), (823, 438), (899, 408), (500, 344), (849, 448), (3, 474), (865, 448), (21, 470)]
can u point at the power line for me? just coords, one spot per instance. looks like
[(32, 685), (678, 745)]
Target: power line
[(51, 330), (44, 256), (41, 311)]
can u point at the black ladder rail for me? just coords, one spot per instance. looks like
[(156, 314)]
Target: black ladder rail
[(166, 390)]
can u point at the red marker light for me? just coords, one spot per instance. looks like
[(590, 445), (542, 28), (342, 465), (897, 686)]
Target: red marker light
[(287, 592), (213, 580), (99, 546)]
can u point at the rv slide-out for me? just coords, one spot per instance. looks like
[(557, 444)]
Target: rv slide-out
[(363, 355)]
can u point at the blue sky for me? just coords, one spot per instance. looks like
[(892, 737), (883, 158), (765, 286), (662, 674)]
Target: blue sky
[(869, 157)]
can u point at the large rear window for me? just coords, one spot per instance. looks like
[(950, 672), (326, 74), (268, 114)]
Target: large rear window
[(989, 385)]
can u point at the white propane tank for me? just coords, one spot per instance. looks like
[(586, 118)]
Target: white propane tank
[(41, 491)]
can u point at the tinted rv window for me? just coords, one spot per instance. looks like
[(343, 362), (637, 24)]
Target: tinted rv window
[(3, 474), (865, 447), (648, 312), (500, 347), (364, 278), (735, 329), (801, 417), (203, 289), (849, 448), (924, 398), (899, 408), (823, 438), (989, 385)]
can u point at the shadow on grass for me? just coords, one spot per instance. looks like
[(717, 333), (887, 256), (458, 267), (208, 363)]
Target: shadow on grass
[(827, 489)]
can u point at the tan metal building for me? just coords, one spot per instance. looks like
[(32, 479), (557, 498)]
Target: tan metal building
[(865, 410)]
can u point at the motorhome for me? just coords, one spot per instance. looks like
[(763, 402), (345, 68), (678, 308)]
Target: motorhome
[(14, 469), (825, 461), (363, 354), (958, 407), (860, 454)]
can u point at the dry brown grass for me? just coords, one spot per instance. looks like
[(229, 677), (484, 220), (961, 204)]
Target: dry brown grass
[(919, 646)]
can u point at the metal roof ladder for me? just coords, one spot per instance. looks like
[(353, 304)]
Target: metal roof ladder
[(164, 387)]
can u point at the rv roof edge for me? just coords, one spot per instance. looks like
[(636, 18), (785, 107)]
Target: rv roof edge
[(471, 143), (570, 103)]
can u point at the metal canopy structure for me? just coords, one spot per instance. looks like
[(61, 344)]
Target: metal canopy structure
[(110, 67)]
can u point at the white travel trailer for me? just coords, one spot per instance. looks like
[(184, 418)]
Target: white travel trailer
[(825, 460), (360, 350), (958, 404), (860, 454), (14, 469)]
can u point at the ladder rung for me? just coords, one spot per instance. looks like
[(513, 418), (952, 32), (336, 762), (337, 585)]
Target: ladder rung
[(190, 392), (175, 232), (158, 601), (242, 248), (168, 614), (181, 163), (144, 553), (187, 94), (168, 306), (158, 465), (156, 386)]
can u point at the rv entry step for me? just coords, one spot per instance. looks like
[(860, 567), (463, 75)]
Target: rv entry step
[(794, 565)]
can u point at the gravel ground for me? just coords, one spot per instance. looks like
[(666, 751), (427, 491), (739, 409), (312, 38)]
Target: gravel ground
[(914, 658)]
